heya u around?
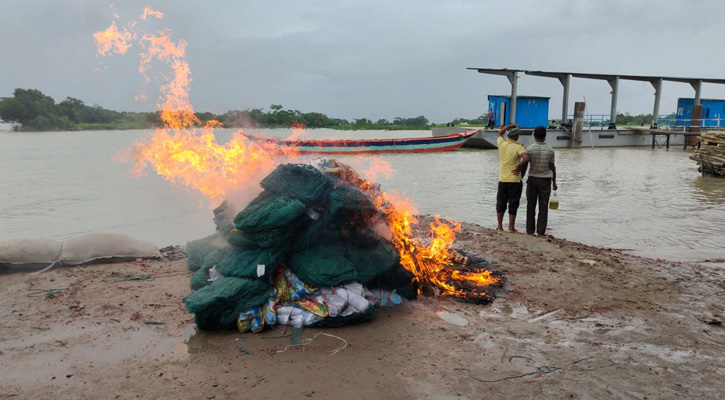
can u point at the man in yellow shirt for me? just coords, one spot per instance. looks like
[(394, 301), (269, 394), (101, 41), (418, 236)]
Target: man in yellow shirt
[(512, 157)]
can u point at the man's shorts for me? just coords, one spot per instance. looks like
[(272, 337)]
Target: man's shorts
[(509, 194)]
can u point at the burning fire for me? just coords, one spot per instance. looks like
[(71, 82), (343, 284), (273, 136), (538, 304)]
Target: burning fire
[(430, 262), (185, 153)]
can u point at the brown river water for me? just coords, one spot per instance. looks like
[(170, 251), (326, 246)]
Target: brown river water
[(650, 202)]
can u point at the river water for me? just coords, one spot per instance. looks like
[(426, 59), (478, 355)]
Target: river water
[(650, 202)]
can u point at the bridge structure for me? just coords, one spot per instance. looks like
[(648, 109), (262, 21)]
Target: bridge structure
[(613, 80)]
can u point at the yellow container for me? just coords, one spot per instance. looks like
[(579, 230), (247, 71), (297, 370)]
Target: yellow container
[(554, 202)]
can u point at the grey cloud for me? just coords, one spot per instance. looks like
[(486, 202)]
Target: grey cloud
[(373, 59)]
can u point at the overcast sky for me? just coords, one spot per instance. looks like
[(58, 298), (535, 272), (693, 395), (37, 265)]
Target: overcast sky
[(374, 59)]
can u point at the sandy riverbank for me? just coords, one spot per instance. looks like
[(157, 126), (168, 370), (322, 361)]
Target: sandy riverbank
[(580, 322)]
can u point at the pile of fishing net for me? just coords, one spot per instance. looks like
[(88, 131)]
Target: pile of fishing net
[(308, 251)]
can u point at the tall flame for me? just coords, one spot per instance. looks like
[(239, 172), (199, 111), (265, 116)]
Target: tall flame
[(183, 152)]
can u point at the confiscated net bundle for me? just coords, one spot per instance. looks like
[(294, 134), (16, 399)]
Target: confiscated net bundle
[(310, 226)]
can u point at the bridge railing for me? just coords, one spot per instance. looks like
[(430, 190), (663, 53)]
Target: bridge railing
[(602, 121), (596, 121), (674, 123)]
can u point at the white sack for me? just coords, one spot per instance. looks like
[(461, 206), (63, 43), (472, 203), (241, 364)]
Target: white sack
[(98, 246), (29, 251)]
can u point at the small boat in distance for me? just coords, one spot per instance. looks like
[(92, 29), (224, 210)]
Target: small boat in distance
[(359, 146)]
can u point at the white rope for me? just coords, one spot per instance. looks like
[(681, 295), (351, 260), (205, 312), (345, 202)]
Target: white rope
[(308, 341)]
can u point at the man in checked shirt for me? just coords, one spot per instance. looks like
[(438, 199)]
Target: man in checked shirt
[(542, 177)]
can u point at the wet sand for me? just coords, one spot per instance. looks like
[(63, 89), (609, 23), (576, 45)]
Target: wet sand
[(579, 322)]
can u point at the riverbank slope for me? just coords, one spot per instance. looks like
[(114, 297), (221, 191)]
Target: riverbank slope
[(579, 322)]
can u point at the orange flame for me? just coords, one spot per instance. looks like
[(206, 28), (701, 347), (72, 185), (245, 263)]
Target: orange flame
[(298, 130), (178, 152), (149, 11), (111, 40), (183, 156), (193, 158), (427, 261)]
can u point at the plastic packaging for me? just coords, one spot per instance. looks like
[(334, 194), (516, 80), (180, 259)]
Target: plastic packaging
[(554, 202), (382, 298)]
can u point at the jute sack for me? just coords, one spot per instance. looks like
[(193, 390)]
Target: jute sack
[(99, 246), (18, 252)]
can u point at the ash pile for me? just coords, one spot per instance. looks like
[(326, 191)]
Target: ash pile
[(313, 249)]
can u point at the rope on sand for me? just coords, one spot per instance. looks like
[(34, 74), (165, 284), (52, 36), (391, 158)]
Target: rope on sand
[(48, 268), (305, 342), (48, 293), (129, 277), (543, 369)]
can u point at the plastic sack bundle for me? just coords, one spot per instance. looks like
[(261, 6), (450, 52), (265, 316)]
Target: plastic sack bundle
[(256, 318), (298, 304), (383, 298), (344, 300)]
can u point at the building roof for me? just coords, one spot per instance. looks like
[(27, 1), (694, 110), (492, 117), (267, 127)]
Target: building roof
[(561, 74), (518, 96)]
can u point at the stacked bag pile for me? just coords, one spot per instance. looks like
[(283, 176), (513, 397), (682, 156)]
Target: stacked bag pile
[(711, 154), (306, 252)]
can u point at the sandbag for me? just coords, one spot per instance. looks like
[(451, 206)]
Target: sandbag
[(31, 252), (105, 246)]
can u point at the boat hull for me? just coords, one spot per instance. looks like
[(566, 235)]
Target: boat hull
[(367, 146)]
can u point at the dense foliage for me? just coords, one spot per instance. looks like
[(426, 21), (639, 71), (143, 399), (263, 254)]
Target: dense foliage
[(37, 112)]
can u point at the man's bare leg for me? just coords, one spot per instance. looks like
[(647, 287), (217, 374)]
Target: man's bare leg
[(512, 223), (499, 216)]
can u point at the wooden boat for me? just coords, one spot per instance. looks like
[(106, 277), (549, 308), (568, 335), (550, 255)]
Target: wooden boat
[(353, 146)]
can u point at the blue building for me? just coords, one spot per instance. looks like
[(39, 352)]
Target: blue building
[(713, 110), (531, 111)]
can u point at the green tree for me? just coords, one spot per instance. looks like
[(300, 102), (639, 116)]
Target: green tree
[(12, 109), (72, 108), (315, 120), (36, 103)]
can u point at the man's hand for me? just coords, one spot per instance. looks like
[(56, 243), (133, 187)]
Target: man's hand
[(554, 186), (505, 128)]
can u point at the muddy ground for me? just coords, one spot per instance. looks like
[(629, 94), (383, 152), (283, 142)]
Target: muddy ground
[(579, 322)]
